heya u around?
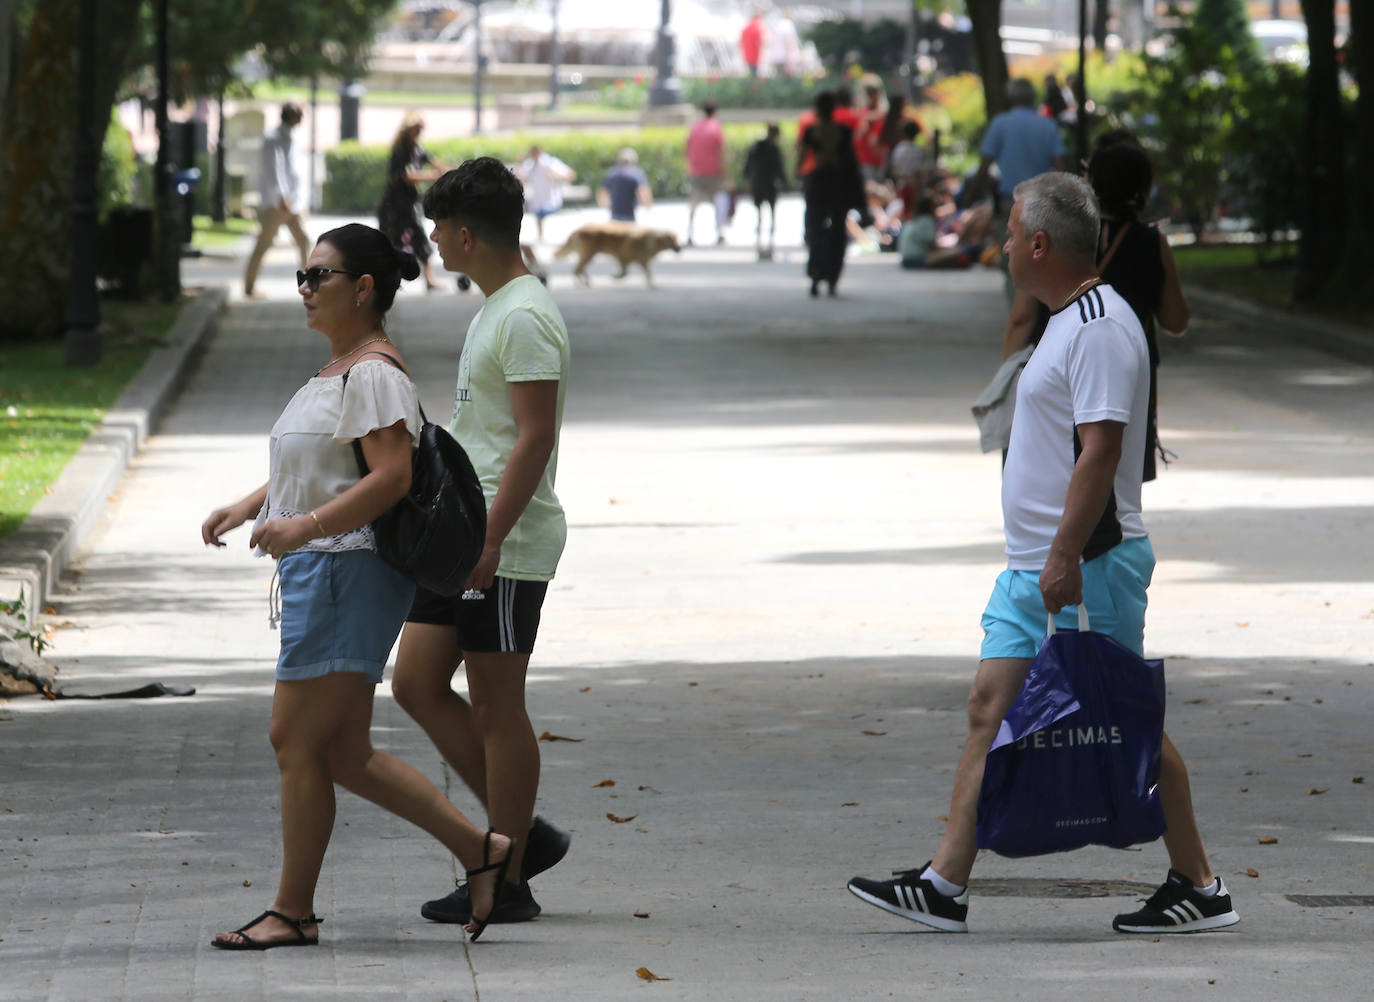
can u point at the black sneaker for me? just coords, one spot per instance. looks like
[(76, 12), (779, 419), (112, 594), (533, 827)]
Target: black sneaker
[(913, 898), (544, 847), (1178, 907), (517, 905)]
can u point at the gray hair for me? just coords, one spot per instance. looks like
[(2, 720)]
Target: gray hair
[(1020, 92), (1064, 207), (627, 156)]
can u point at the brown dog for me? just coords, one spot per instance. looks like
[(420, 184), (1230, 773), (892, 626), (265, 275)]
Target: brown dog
[(628, 243)]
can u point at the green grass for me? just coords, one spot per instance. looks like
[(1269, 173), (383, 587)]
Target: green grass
[(1235, 269), (210, 235), (47, 410)]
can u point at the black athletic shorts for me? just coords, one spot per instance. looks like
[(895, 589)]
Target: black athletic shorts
[(503, 620)]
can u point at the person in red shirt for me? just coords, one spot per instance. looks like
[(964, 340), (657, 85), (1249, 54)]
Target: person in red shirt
[(751, 42), (705, 166)]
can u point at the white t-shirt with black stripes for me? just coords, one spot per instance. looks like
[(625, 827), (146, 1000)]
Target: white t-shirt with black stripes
[(1091, 365)]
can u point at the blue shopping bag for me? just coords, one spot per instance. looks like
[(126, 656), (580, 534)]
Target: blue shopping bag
[(1076, 760)]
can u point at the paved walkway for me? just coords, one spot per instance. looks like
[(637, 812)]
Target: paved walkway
[(762, 632)]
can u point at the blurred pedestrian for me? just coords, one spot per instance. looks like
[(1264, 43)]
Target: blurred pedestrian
[(281, 202), (831, 189), (341, 605), (766, 175), (1022, 144), (783, 49), (872, 158), (408, 166), (751, 42), (705, 166), (543, 176), (625, 187)]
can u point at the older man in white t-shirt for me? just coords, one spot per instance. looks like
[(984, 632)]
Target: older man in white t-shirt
[(1071, 508)]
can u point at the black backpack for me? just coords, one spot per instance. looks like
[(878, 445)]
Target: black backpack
[(435, 533)]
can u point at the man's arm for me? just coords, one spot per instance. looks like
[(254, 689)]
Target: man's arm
[(1061, 581), (534, 405)]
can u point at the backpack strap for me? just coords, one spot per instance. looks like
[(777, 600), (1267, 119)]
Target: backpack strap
[(357, 445)]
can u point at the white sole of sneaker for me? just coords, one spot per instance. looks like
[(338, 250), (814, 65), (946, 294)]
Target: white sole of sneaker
[(1201, 925), (934, 921)]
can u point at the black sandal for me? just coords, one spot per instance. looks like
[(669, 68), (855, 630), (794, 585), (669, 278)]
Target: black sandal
[(500, 888), (249, 944)]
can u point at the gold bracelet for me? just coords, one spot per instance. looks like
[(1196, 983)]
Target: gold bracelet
[(318, 525)]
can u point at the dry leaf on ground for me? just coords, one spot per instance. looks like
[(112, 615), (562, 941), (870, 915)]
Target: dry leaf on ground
[(875, 734), (1314, 792), (585, 688), (644, 974), (639, 914), (1358, 779), (547, 736), (620, 821), (1268, 840), (1250, 871), (850, 803), (1201, 700), (604, 782)]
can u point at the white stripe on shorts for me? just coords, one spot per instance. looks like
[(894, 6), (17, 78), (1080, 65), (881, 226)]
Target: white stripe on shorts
[(505, 613)]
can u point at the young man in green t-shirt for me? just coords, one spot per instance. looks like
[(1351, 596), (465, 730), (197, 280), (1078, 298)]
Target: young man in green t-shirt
[(512, 376)]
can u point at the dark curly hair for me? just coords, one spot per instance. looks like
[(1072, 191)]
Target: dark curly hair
[(1121, 178), (482, 195), (366, 251)]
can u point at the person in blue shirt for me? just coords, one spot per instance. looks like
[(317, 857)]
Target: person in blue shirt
[(625, 187), (1023, 143)]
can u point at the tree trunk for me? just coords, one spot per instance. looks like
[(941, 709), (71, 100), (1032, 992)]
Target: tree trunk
[(1359, 259), (1101, 15), (36, 160), (9, 47), (1323, 222), (986, 18)]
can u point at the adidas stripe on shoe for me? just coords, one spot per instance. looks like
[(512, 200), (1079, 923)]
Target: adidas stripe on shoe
[(1178, 907), (912, 898)]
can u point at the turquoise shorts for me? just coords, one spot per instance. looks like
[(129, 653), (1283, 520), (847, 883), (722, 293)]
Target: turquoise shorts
[(1114, 585), (339, 612)]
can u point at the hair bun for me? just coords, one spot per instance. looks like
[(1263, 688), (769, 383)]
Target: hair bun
[(408, 265)]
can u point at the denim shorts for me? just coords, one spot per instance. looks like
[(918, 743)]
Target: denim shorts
[(1114, 585), (339, 612)]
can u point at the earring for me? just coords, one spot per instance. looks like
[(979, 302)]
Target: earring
[(357, 302)]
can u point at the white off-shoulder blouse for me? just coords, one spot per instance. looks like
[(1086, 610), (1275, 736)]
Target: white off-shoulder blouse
[(312, 458)]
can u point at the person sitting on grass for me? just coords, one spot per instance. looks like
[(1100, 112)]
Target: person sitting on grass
[(918, 242)]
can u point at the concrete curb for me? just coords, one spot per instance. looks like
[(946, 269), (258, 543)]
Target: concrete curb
[(1334, 338), (34, 557)]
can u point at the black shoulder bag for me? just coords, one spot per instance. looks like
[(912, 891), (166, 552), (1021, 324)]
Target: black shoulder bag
[(435, 533)]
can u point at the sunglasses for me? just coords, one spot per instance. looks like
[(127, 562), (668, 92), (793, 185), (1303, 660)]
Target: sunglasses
[(311, 277)]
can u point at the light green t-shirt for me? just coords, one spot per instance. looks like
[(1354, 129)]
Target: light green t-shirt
[(518, 336)]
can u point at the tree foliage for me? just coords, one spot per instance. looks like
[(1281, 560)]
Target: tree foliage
[(1222, 131), (207, 38)]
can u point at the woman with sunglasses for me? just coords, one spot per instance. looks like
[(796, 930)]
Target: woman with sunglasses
[(341, 605)]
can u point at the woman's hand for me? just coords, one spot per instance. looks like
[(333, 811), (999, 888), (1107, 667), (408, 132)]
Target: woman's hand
[(222, 520), (282, 535)]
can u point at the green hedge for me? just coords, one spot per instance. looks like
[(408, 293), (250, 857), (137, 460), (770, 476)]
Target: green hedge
[(355, 174)]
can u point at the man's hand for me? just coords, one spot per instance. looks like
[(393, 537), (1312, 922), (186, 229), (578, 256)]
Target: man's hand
[(484, 573), (1061, 582), (282, 535)]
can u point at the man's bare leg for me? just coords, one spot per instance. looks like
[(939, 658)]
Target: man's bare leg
[(994, 690), (1181, 837), (496, 683), (422, 684)]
